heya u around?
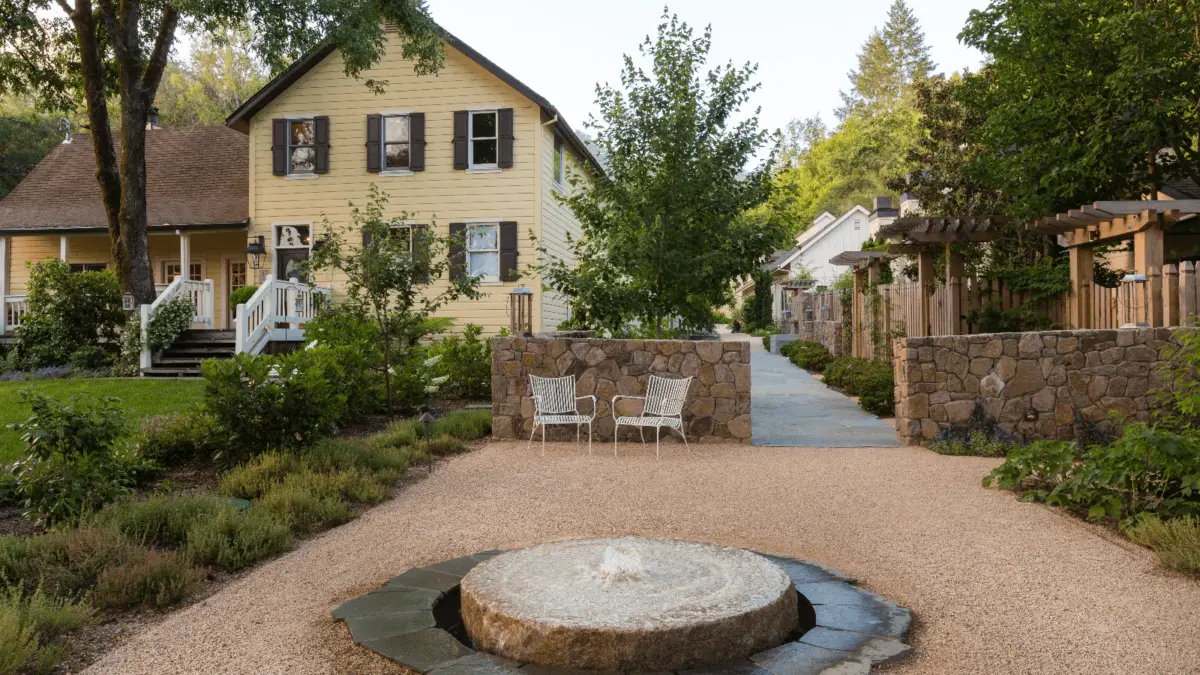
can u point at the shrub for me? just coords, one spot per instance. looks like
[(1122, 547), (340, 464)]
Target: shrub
[(18, 641), (371, 455), (275, 403), (70, 464), (349, 484), (256, 476), (170, 320), (809, 355), (467, 362), (242, 295), (976, 445), (65, 563), (872, 381), (1177, 541), (466, 425), (177, 438), (66, 312), (234, 541), (30, 623), (160, 521), (159, 579), (295, 506), (90, 357)]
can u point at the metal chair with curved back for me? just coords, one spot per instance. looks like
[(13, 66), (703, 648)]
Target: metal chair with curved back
[(663, 407), (555, 402)]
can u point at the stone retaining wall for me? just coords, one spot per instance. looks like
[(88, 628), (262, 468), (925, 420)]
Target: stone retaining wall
[(1031, 384), (828, 333), (718, 405)]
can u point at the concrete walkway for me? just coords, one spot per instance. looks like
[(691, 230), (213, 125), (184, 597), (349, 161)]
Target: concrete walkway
[(791, 408)]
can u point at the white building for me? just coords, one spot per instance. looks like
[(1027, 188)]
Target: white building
[(827, 237)]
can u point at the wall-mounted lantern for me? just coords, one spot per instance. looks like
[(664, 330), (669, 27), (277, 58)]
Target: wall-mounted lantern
[(256, 250), (1134, 295), (520, 311)]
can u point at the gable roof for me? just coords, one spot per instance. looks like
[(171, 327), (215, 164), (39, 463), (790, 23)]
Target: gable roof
[(197, 177), (819, 233), (240, 119), (817, 223)]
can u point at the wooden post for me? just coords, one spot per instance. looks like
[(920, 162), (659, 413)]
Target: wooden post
[(927, 283), (1148, 261), (1187, 291), (1082, 278), (856, 315), (955, 270), (4, 285), (1170, 296), (185, 256)]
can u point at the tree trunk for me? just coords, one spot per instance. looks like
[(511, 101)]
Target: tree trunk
[(134, 239)]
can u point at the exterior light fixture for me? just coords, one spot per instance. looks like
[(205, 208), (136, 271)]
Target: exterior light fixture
[(520, 312), (1031, 415), (427, 420), (1134, 296), (256, 250)]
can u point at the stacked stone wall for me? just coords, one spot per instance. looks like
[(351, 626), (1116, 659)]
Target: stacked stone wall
[(718, 403), (1034, 385), (828, 333)]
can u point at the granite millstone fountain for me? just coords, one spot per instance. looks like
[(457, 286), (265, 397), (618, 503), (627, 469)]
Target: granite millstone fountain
[(630, 605)]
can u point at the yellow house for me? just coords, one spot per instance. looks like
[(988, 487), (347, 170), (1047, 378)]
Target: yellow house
[(470, 150)]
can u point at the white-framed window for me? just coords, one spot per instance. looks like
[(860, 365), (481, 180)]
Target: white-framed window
[(483, 140), (560, 161), (397, 143), (302, 147), (88, 267), (173, 268), (483, 251), (404, 231)]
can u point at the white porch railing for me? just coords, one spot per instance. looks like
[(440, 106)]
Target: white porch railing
[(199, 292), (13, 313), (277, 311)]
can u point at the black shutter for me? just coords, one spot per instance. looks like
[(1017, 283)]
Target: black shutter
[(458, 251), (420, 249), (279, 147), (374, 126), (506, 138), (460, 139), (416, 133), (321, 131), (508, 252)]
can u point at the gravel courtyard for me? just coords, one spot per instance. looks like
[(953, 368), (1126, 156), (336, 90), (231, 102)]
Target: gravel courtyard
[(995, 585)]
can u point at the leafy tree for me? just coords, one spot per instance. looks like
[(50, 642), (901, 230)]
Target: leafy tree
[(757, 311), (1115, 117), (799, 136), (94, 50), (24, 141), (387, 277), (222, 75), (665, 231)]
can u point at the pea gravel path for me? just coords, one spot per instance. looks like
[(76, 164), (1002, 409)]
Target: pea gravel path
[(996, 586)]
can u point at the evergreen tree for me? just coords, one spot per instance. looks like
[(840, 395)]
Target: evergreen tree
[(890, 62), (906, 43)]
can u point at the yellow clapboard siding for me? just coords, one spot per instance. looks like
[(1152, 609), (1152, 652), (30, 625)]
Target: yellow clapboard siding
[(558, 222)]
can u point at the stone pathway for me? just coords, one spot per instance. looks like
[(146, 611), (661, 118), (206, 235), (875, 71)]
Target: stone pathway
[(791, 408)]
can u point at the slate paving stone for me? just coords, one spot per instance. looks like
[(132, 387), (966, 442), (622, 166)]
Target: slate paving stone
[(478, 663), (386, 602), (798, 658), (535, 669), (368, 628), (877, 650), (421, 577), (457, 566), (803, 572), (742, 667), (834, 593), (423, 650), (878, 619)]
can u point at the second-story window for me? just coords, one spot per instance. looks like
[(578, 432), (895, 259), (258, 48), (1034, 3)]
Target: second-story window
[(483, 141), (560, 161), (302, 147), (397, 143)]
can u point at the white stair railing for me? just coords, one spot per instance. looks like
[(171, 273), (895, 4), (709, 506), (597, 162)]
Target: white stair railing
[(12, 314), (277, 311), (199, 292)]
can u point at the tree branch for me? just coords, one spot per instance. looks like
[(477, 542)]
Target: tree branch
[(162, 50)]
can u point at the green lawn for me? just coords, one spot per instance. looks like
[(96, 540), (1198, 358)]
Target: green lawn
[(141, 397)]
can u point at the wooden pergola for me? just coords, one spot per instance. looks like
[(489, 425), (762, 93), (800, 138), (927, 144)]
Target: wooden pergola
[(923, 236), (867, 267), (1143, 221)]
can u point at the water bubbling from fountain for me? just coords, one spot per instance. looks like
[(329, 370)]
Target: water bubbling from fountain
[(621, 563)]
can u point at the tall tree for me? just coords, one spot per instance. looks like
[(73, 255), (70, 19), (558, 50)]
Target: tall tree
[(222, 75), (799, 136), (1115, 117), (664, 231), (905, 41), (97, 48), (24, 141), (890, 62)]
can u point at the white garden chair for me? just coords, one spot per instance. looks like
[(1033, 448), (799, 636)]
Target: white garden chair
[(555, 402), (664, 408)]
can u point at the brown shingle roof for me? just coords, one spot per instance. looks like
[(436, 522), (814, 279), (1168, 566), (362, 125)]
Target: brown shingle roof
[(195, 177)]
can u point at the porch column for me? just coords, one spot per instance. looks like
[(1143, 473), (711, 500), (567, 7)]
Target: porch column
[(3, 285), (1148, 261), (62, 248), (955, 271), (1082, 278), (926, 281), (185, 254)]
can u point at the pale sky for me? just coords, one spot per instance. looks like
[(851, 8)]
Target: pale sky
[(804, 48)]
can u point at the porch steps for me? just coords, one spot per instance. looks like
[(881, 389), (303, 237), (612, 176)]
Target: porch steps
[(183, 358)]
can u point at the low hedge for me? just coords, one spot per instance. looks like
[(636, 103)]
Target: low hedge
[(872, 382), (807, 354)]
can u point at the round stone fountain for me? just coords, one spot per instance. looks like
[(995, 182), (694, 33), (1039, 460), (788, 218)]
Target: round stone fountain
[(628, 604)]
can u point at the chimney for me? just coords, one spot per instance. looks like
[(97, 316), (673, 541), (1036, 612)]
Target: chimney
[(152, 119), (909, 206), (882, 203), (881, 215)]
